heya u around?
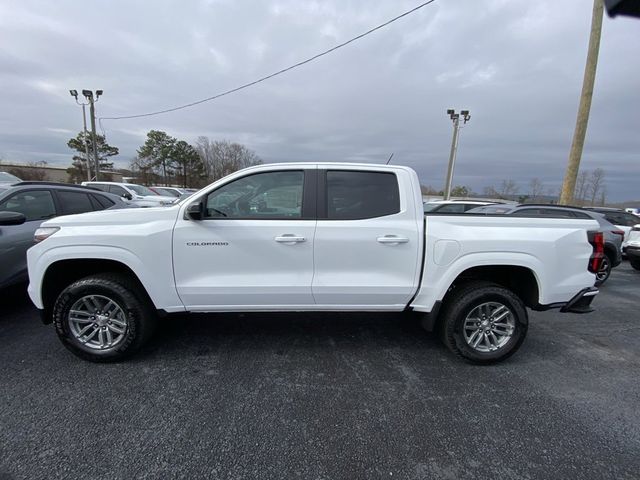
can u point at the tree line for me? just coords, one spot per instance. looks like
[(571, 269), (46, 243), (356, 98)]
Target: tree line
[(590, 190), (165, 160)]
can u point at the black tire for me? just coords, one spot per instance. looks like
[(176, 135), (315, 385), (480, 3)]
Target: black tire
[(462, 301), (605, 270), (127, 295), (635, 263)]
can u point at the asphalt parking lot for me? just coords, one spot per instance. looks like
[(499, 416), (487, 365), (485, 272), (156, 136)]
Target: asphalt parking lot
[(326, 396)]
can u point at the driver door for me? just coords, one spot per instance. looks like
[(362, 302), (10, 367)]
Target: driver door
[(253, 248)]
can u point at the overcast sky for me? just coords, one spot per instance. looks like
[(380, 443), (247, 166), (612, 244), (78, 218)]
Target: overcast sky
[(516, 64)]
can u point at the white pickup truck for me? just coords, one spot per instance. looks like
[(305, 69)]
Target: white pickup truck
[(309, 237)]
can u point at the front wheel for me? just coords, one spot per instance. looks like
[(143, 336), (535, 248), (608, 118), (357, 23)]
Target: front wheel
[(103, 318), (635, 263), (483, 322)]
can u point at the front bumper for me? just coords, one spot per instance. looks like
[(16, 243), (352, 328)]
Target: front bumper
[(581, 303)]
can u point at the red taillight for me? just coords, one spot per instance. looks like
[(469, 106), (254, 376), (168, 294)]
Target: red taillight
[(596, 239)]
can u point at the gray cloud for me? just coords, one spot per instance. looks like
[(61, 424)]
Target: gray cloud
[(517, 65)]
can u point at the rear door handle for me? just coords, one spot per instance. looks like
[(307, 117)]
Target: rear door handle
[(290, 238), (392, 239)]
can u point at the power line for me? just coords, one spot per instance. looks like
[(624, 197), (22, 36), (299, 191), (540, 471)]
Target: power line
[(279, 72)]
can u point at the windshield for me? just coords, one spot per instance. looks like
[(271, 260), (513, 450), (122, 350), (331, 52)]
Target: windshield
[(140, 190), (8, 178)]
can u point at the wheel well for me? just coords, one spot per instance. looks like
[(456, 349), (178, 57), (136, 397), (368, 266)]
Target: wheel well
[(520, 280), (62, 273), (610, 251)]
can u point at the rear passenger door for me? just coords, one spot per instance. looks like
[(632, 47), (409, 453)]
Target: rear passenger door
[(366, 253)]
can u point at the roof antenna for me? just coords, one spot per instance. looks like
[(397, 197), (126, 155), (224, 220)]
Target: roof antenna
[(389, 159)]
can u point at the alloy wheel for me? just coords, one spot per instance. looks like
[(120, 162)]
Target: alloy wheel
[(489, 327), (98, 322)]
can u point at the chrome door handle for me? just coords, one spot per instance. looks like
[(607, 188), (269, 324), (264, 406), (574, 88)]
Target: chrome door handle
[(290, 238), (392, 239)]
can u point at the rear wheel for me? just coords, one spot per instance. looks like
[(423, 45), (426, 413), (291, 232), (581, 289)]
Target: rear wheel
[(103, 318), (483, 322), (604, 271)]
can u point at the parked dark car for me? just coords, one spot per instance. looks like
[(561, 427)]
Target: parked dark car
[(613, 236), (36, 202), (625, 221)]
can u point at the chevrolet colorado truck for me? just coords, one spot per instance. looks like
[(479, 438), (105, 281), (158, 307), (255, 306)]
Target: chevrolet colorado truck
[(309, 237)]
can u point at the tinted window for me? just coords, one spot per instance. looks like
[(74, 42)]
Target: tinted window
[(33, 204), (103, 201), (542, 212), (262, 196), (451, 208), (356, 195), (631, 219), (100, 186), (117, 190), (556, 212), (624, 219), (74, 202), (581, 215)]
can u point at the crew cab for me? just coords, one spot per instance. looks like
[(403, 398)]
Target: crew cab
[(309, 237)]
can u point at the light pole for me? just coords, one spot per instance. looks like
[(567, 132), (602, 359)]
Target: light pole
[(74, 94), (455, 117), (88, 94)]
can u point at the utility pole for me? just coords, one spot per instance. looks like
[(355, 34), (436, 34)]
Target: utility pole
[(74, 93), (88, 94), (455, 117), (569, 183)]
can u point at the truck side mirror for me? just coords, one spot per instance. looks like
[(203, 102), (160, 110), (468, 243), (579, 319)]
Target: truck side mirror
[(195, 211), (12, 218)]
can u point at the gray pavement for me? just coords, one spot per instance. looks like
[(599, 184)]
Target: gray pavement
[(326, 396)]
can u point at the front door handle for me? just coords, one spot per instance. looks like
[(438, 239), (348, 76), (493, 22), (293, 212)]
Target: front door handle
[(290, 238), (392, 239)]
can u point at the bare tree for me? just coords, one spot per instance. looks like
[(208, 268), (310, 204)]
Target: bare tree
[(595, 185), (490, 192), (507, 188), (580, 193), (603, 196), (29, 171), (536, 189), (429, 190), (221, 157)]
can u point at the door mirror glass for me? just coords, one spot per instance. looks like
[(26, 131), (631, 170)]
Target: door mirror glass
[(12, 218), (195, 210)]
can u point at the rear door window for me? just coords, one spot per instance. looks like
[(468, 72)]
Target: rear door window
[(74, 202), (353, 195)]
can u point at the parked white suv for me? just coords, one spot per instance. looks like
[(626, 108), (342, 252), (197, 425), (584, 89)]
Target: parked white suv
[(130, 192)]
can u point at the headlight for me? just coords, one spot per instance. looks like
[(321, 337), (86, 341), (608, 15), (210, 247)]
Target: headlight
[(43, 233)]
